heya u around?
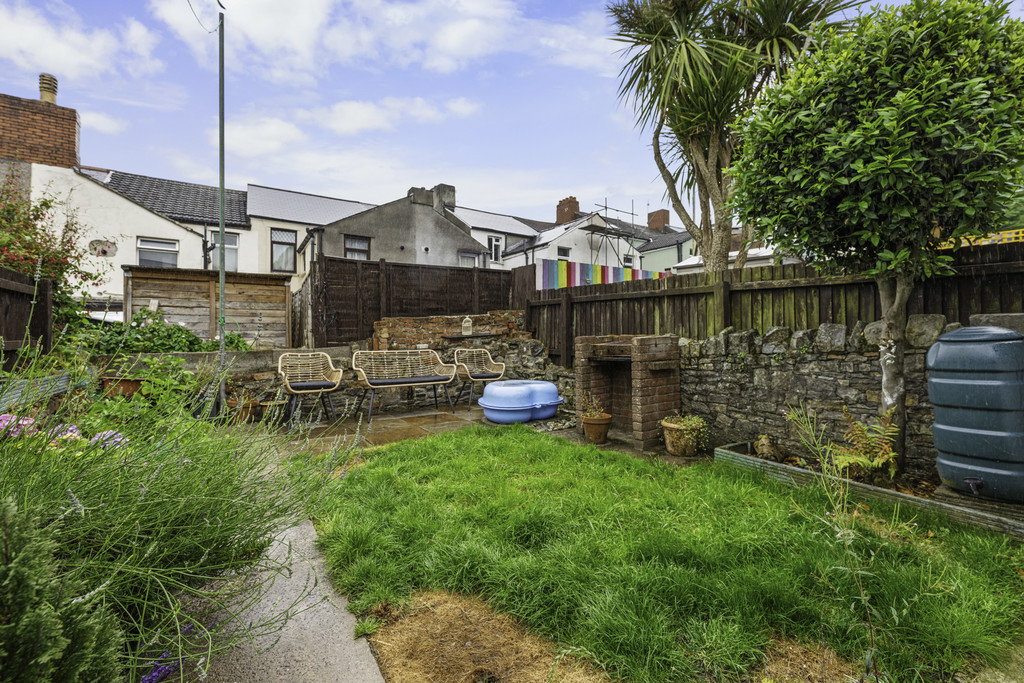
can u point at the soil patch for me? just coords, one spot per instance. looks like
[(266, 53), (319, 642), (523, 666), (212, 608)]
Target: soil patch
[(444, 638)]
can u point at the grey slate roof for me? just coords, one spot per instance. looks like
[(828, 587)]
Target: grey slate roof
[(179, 201), (299, 207), (666, 239)]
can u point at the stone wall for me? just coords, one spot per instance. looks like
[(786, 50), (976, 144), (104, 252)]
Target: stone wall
[(742, 383), (502, 333)]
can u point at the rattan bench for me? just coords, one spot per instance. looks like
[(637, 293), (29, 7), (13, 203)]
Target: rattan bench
[(476, 365), (309, 373), (400, 368)]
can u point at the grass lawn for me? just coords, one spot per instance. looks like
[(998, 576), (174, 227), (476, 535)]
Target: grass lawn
[(663, 574)]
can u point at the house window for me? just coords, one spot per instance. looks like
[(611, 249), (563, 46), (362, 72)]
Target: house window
[(467, 260), (563, 253), (158, 253), (282, 250), (494, 246), (357, 247), (627, 261), (230, 252)]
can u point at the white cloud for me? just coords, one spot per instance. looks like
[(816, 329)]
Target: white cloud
[(35, 41), (258, 136), (139, 43), (292, 42), (462, 107), (353, 116), (102, 123)]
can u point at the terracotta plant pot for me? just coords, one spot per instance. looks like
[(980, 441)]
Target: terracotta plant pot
[(121, 386), (243, 411), (596, 428), (679, 440)]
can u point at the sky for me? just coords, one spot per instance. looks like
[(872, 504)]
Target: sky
[(514, 102)]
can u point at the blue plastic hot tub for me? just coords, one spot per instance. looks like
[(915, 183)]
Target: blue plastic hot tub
[(519, 400)]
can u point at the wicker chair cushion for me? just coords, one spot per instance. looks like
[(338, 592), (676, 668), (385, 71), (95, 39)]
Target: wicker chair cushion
[(484, 375), (427, 379), (301, 386)]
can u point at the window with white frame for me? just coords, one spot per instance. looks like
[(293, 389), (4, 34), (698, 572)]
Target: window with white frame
[(230, 251), (564, 253), (357, 247), (627, 261), (282, 250), (157, 253), (494, 246), (467, 260)]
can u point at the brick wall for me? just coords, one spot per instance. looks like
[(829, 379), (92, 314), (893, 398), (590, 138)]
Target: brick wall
[(38, 132)]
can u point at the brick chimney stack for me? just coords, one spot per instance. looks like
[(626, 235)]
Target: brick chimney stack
[(39, 131), (567, 210), (657, 221), (48, 88)]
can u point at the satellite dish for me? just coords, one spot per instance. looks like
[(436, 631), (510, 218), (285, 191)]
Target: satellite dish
[(103, 248)]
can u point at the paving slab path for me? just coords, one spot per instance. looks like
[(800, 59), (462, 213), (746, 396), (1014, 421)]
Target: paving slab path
[(315, 646)]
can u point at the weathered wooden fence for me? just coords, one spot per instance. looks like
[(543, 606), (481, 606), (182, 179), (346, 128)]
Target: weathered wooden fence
[(26, 314), (348, 296), (989, 279), (253, 303)]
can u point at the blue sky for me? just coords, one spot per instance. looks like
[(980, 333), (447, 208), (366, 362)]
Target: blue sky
[(514, 102)]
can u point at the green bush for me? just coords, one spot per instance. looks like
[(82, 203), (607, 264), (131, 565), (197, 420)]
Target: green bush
[(50, 628), (172, 516), (148, 332)]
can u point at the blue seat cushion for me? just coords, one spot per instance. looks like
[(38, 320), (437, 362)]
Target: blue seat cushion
[(485, 375), (307, 386), (426, 379)]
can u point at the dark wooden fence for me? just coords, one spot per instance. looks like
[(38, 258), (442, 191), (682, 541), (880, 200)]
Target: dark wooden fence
[(349, 296), (989, 279), (19, 316)]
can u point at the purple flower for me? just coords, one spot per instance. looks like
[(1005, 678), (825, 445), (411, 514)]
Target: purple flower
[(63, 431), (12, 425), (109, 439)]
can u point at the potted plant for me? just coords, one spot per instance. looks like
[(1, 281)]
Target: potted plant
[(243, 405), (595, 420), (685, 435)]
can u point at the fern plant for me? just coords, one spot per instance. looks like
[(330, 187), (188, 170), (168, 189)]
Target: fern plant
[(870, 447)]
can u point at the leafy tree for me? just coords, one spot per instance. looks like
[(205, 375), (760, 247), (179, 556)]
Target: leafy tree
[(895, 137), (693, 67)]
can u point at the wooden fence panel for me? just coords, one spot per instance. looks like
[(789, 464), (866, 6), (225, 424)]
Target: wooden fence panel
[(349, 296), (26, 314), (254, 304), (990, 279)]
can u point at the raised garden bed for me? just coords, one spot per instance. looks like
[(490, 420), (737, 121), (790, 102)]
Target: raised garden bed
[(738, 454)]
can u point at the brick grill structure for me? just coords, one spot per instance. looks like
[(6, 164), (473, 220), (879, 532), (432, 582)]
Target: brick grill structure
[(635, 379)]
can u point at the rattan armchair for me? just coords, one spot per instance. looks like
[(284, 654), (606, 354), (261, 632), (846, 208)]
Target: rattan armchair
[(309, 373), (476, 365)]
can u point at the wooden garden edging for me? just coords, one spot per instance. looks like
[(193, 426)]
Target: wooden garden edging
[(795, 476)]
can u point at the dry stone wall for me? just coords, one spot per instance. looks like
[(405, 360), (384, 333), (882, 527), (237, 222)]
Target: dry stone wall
[(743, 383)]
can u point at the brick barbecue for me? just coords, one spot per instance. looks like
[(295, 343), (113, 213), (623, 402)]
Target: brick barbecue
[(635, 379)]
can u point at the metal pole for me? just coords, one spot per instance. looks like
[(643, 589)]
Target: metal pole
[(220, 251)]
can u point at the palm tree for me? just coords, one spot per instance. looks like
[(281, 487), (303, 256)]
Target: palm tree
[(693, 67)]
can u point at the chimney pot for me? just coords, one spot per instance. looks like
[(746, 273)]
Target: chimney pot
[(567, 210), (48, 88)]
